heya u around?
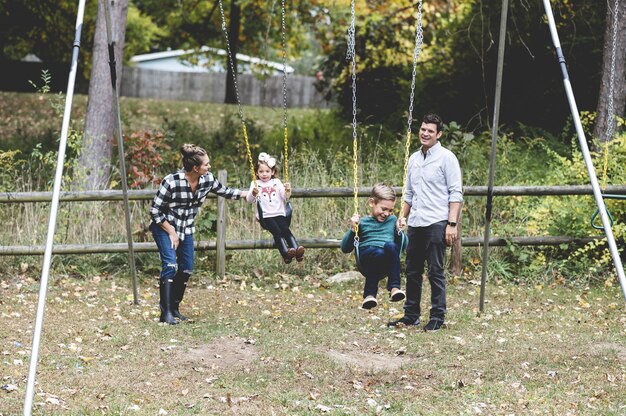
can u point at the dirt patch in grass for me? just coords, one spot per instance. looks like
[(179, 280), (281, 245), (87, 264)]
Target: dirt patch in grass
[(223, 353), (604, 347)]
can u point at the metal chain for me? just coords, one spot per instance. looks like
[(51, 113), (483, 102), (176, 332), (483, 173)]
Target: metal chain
[(419, 40), (611, 110), (284, 47), (267, 37), (351, 54), (232, 69)]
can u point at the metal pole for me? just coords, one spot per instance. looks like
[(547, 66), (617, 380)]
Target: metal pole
[(582, 140), (494, 139), (220, 241), (120, 146), (56, 190)]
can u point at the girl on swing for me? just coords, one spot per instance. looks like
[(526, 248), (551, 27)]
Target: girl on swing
[(271, 196), (380, 244)]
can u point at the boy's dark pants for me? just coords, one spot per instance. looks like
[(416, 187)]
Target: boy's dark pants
[(376, 263), (426, 244)]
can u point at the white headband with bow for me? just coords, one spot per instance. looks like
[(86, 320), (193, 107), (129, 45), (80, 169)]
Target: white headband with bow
[(267, 159)]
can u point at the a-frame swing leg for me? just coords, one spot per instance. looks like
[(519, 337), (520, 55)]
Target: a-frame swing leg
[(597, 193)]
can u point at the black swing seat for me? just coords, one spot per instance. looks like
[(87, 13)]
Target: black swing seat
[(288, 212), (401, 239)]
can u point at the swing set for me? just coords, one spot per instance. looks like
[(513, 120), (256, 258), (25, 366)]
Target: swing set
[(288, 207), (602, 211), (351, 55)]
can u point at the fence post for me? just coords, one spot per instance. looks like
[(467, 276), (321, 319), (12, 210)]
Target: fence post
[(220, 244), (456, 250)]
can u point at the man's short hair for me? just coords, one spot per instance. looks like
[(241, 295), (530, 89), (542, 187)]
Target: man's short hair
[(433, 119)]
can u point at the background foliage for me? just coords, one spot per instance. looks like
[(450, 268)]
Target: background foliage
[(456, 66), (320, 157)]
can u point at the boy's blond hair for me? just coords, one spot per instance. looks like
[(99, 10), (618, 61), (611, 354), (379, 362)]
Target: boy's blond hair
[(382, 191)]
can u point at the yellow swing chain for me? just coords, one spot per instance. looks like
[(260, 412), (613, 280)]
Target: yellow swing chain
[(351, 55), (241, 116), (419, 39), (285, 136)]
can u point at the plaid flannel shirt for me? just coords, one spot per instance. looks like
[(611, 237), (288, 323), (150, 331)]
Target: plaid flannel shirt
[(176, 203)]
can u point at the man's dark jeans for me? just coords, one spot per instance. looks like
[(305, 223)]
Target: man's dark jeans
[(426, 244)]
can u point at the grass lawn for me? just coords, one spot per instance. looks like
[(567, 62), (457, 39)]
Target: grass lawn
[(301, 346)]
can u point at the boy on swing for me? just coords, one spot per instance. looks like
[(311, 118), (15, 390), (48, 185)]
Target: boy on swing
[(379, 246)]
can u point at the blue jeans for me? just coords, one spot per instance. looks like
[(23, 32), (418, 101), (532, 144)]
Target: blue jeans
[(376, 264), (176, 265), (426, 244)]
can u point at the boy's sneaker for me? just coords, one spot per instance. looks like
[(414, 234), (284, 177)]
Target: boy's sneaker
[(404, 321), (433, 325), (396, 295), (369, 302)]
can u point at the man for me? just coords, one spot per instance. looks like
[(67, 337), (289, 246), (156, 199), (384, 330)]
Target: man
[(432, 203)]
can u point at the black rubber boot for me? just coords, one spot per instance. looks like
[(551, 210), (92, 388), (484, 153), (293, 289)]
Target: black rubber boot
[(180, 284), (283, 248), (296, 250), (293, 243), (165, 292)]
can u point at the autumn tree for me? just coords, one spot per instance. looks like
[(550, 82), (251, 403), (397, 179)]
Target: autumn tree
[(619, 72), (94, 164), (456, 69)]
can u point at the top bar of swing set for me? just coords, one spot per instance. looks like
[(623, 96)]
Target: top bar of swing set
[(56, 190), (597, 192)]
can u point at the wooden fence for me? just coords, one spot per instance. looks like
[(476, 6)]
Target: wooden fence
[(221, 245), (195, 86)]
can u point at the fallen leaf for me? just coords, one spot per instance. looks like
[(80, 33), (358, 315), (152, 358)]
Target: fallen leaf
[(53, 400)]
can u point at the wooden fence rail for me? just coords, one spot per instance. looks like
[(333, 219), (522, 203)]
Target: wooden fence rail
[(266, 244), (221, 245), (148, 194)]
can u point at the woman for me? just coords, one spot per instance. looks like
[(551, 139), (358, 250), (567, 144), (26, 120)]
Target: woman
[(173, 212)]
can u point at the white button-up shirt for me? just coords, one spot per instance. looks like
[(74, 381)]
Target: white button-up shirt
[(432, 183)]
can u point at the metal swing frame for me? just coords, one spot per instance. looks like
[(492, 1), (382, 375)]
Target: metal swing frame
[(597, 192)]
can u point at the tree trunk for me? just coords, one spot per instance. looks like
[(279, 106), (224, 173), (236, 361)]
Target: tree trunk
[(619, 84), (233, 36), (94, 163)]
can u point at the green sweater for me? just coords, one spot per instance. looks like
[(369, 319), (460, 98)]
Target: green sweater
[(373, 233)]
